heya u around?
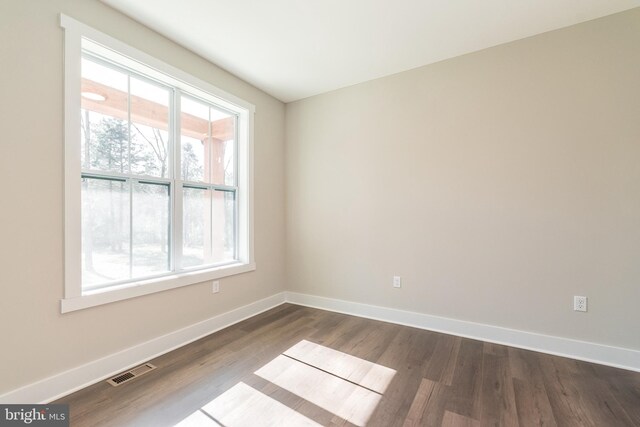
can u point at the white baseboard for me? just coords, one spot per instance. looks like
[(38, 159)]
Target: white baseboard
[(581, 350), (67, 382), (54, 387)]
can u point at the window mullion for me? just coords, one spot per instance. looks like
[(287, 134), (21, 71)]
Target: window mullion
[(128, 124), (236, 250), (236, 200), (210, 192), (209, 146), (128, 171), (123, 176), (131, 182), (176, 151)]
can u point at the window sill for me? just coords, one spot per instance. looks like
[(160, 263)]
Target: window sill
[(151, 286)]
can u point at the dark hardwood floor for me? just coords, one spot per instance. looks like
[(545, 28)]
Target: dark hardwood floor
[(300, 366)]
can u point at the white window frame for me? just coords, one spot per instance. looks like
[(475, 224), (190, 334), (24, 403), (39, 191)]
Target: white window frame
[(74, 297)]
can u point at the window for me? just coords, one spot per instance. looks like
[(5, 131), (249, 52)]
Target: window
[(157, 174)]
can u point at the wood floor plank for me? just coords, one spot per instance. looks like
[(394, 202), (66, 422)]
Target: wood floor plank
[(625, 387), (520, 368), (438, 380), (433, 414), (451, 419), (450, 368), (442, 358), (495, 349), (466, 382), (497, 397), (603, 408), (399, 394), (532, 401), (419, 403), (565, 393)]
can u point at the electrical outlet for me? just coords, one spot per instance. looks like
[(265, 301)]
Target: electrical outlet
[(215, 288), (579, 303), (397, 282)]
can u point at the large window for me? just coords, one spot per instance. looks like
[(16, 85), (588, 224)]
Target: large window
[(157, 174)]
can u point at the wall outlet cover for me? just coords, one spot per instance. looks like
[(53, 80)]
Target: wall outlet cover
[(579, 303), (397, 282)]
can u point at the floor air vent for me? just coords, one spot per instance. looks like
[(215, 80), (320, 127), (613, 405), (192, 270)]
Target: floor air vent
[(131, 374)]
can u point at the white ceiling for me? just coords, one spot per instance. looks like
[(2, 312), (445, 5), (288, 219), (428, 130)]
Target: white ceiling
[(293, 49)]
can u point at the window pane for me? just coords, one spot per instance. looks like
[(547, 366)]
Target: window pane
[(192, 159), (208, 143), (222, 146), (104, 120), (196, 234), (149, 129), (105, 231), (230, 162), (194, 132), (151, 216), (223, 226)]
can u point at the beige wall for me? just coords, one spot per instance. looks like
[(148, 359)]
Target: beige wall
[(36, 340), (498, 185)]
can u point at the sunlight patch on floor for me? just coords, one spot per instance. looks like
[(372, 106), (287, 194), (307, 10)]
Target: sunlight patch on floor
[(342, 384), (346, 400), (244, 406), (362, 372), (198, 419)]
